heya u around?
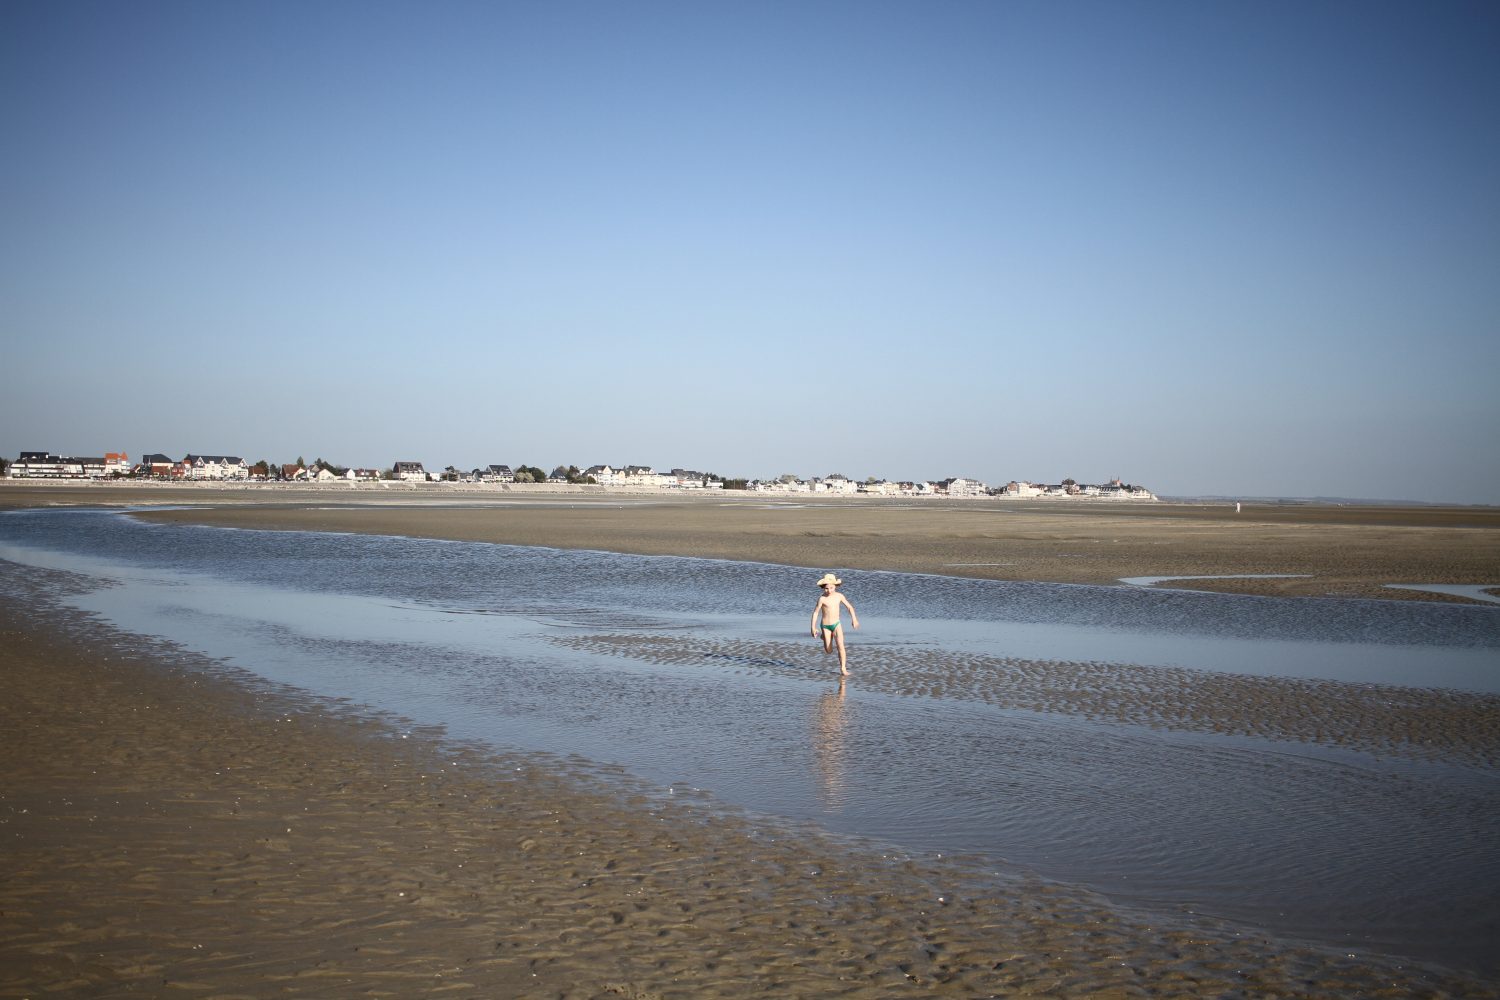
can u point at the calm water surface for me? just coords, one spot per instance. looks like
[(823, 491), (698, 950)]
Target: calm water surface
[(1297, 840)]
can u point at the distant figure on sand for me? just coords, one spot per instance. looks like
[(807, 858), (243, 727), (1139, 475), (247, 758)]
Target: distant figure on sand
[(827, 620)]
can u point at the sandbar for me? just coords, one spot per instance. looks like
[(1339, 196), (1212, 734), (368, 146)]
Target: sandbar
[(1290, 550)]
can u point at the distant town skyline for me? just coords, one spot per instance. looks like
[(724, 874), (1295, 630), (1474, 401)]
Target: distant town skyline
[(1219, 249), (125, 461), (435, 470)]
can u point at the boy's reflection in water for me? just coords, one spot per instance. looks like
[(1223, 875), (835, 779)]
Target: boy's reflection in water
[(829, 721)]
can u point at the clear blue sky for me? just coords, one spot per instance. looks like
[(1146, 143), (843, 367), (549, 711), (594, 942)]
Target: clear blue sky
[(1213, 248)]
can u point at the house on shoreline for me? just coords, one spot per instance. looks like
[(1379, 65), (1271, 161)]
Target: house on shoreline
[(215, 467), (495, 474)]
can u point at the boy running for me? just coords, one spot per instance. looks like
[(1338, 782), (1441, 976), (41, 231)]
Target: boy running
[(827, 619)]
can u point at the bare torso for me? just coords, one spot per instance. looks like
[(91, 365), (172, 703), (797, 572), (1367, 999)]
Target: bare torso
[(830, 607)]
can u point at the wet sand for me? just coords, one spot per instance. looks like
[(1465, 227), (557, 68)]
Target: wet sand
[(175, 832), (171, 829), (1316, 550)]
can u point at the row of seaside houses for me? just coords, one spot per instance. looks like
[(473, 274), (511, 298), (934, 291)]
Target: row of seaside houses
[(842, 485), (955, 487), (45, 465), (603, 475), (1112, 490), (644, 475)]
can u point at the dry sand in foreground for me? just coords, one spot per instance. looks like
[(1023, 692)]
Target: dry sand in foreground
[(168, 833), (1341, 551)]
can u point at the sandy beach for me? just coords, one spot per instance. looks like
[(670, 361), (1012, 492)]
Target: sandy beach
[(169, 833), (174, 829), (1273, 549)]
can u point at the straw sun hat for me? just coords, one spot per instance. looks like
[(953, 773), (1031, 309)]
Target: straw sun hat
[(829, 578)]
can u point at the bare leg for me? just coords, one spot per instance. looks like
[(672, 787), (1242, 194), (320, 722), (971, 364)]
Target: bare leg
[(843, 658)]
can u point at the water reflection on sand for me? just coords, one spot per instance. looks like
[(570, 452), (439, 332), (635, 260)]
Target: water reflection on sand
[(1321, 769), (829, 721)]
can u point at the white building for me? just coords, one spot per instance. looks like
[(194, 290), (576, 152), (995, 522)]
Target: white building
[(782, 486), (215, 467), (966, 488), (688, 479), (45, 465), (1116, 490), (410, 472)]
